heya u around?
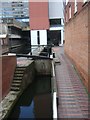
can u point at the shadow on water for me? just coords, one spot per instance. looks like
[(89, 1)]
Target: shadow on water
[(36, 101)]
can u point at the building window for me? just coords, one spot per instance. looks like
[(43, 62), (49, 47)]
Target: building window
[(69, 11), (38, 37), (75, 4), (55, 22)]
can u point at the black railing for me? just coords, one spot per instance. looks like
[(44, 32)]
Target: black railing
[(33, 56), (44, 54)]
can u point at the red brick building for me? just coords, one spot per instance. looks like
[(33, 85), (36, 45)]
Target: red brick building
[(77, 36), (46, 22)]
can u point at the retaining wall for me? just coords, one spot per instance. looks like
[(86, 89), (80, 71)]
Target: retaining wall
[(29, 75), (8, 68), (43, 67)]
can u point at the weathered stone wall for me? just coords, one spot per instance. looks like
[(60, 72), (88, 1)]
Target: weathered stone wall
[(29, 75), (43, 67)]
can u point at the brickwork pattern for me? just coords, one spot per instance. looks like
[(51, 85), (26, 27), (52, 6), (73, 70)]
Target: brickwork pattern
[(80, 6), (73, 99), (76, 42), (8, 67)]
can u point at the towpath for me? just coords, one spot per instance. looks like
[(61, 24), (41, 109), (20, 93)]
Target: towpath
[(72, 96)]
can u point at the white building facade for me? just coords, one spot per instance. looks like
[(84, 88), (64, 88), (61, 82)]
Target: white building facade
[(43, 35)]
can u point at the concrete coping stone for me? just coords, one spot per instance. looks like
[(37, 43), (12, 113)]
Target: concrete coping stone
[(23, 61), (37, 50), (6, 104), (56, 60)]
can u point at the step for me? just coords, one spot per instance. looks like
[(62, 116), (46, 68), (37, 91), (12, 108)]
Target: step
[(20, 68), (18, 75), (19, 72), (16, 81), (17, 78), (14, 92), (15, 89), (16, 85)]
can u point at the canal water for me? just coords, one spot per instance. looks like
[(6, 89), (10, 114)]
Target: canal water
[(36, 101)]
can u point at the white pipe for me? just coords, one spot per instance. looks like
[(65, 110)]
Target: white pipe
[(53, 70), (54, 106), (54, 96)]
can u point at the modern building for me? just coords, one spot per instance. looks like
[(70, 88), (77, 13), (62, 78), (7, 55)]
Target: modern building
[(15, 9), (77, 36), (46, 22), (46, 19), (13, 34)]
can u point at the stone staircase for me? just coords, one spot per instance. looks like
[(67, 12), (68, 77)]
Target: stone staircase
[(17, 79)]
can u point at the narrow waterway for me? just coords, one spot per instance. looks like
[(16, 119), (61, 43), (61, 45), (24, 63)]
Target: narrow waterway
[(36, 101)]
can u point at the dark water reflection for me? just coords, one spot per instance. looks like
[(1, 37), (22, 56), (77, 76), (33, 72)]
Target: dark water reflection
[(27, 111), (36, 101)]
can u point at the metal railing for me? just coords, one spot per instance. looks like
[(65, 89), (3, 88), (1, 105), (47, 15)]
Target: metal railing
[(41, 52)]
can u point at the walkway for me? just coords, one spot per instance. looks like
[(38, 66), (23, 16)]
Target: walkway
[(73, 99)]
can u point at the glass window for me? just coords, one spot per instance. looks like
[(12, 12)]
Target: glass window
[(55, 21)]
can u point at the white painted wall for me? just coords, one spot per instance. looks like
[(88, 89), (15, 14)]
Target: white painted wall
[(43, 37), (34, 37), (56, 28)]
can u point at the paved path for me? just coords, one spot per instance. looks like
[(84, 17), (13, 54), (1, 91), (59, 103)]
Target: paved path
[(73, 99)]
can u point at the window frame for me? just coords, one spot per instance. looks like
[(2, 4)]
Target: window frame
[(75, 6), (70, 11)]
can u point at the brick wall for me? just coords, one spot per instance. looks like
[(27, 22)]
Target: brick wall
[(89, 48), (72, 4), (8, 67), (0, 78), (38, 13), (76, 41)]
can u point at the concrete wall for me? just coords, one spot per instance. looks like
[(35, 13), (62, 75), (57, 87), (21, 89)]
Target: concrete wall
[(8, 68), (76, 42), (3, 29), (37, 67), (29, 76), (43, 67)]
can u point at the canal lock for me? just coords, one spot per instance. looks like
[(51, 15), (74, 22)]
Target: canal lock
[(38, 92)]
